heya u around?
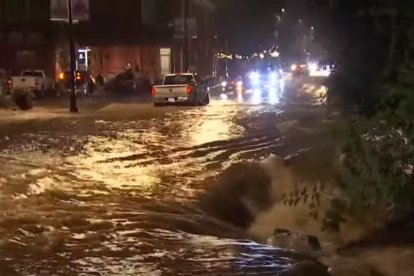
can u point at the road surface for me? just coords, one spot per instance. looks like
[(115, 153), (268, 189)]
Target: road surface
[(117, 192)]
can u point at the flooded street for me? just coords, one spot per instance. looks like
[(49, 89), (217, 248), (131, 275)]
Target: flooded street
[(117, 193)]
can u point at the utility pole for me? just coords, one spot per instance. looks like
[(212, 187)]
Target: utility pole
[(185, 19), (72, 50), (226, 49)]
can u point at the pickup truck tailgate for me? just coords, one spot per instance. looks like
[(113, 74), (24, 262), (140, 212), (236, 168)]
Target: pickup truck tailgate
[(171, 91), (24, 82)]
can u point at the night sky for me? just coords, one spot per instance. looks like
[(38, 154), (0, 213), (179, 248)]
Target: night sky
[(248, 24)]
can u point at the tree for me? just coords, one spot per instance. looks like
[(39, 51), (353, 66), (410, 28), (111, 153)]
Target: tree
[(372, 43)]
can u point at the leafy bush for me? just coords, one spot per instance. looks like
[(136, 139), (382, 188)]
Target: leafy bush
[(23, 99), (373, 48), (376, 175)]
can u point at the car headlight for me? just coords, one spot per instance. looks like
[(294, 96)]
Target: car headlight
[(239, 83), (273, 77), (255, 78), (293, 67), (313, 66), (224, 84)]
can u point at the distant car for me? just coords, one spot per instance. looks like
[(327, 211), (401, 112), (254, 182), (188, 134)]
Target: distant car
[(181, 88), (126, 83), (300, 69), (264, 78), (321, 69), (85, 84), (35, 80), (232, 85), (328, 65)]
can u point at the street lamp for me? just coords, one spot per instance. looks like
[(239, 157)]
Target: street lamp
[(68, 11), (185, 6)]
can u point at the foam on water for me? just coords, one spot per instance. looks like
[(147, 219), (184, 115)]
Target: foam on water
[(251, 195), (295, 173)]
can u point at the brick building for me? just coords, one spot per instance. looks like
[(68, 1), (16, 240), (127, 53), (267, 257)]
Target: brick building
[(202, 43), (136, 31), (121, 32), (26, 37)]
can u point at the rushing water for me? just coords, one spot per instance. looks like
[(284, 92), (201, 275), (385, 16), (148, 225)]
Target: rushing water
[(174, 191), (105, 196)]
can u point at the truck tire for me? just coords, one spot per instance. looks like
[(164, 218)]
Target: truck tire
[(23, 99)]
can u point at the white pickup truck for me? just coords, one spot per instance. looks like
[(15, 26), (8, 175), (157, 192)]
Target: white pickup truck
[(34, 80), (181, 88)]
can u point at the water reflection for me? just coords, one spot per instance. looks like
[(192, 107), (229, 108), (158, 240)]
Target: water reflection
[(273, 95), (214, 124), (224, 96), (101, 205), (240, 97), (257, 96), (120, 173)]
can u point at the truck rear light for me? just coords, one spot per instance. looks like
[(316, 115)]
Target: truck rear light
[(153, 92), (189, 90), (10, 82)]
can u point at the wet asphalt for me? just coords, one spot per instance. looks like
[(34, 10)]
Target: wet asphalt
[(116, 191)]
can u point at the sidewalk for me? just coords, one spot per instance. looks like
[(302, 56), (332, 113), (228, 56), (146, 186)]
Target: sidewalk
[(132, 107), (59, 108), (37, 113)]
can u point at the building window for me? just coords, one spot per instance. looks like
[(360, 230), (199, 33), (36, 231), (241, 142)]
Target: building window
[(26, 53), (15, 38), (34, 38), (17, 10), (25, 10), (39, 10), (165, 54), (149, 10), (2, 11)]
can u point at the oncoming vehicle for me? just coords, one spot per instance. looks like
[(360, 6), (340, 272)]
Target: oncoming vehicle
[(265, 84), (233, 85), (265, 78), (300, 69), (181, 88), (320, 69), (126, 82)]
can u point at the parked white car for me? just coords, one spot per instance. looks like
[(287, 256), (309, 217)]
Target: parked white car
[(34, 80)]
